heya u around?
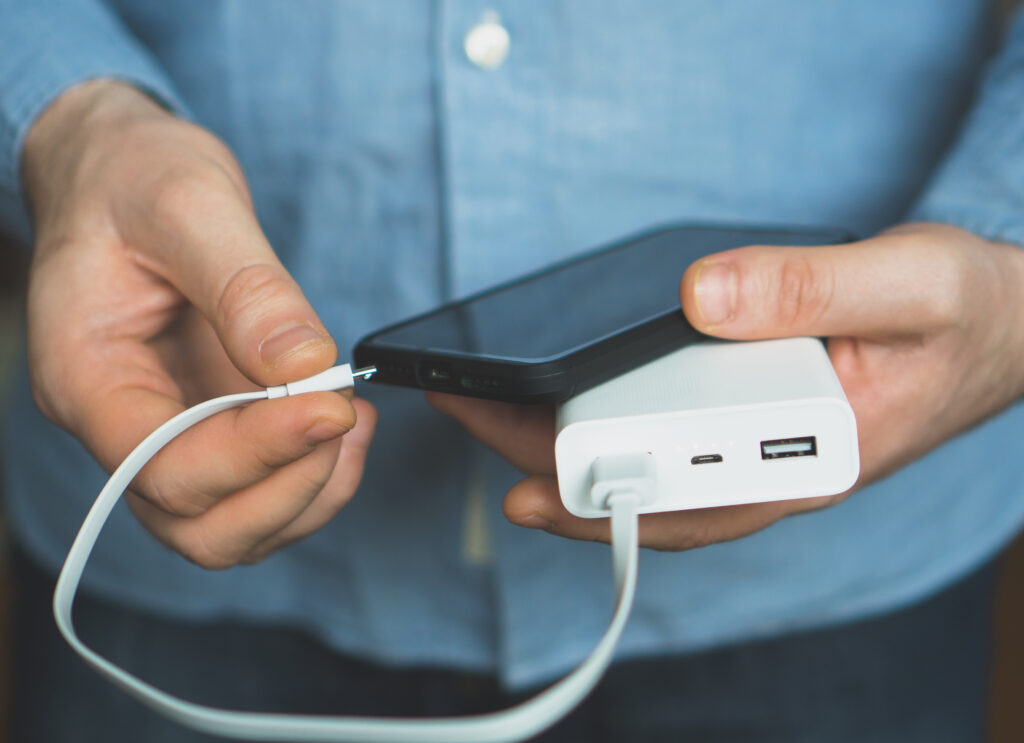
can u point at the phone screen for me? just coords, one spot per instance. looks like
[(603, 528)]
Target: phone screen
[(582, 302)]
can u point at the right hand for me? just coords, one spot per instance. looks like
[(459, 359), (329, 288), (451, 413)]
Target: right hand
[(152, 288)]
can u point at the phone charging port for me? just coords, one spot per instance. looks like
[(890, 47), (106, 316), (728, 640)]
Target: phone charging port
[(439, 374), (435, 375)]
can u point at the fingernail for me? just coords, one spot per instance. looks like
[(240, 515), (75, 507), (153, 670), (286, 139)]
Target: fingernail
[(322, 431), (716, 293), (536, 521), (285, 339)]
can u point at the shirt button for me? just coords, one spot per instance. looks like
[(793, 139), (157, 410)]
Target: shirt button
[(487, 42)]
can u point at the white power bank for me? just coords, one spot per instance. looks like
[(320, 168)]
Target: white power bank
[(724, 423)]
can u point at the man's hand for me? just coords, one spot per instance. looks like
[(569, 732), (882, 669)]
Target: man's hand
[(926, 332), (153, 288)]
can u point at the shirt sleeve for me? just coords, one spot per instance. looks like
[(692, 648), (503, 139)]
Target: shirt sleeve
[(46, 46), (980, 185)]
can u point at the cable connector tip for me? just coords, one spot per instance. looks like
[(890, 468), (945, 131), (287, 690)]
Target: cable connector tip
[(365, 373), (339, 377)]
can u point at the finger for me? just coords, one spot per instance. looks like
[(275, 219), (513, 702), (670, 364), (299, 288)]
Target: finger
[(889, 285), (202, 235), (535, 503), (223, 535), (238, 448), (338, 491), (523, 434)]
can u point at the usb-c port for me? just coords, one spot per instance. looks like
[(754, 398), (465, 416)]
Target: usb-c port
[(804, 446)]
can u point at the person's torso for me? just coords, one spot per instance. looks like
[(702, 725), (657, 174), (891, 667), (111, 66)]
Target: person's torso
[(391, 173)]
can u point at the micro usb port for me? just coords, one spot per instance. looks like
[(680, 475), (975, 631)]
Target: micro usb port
[(804, 446)]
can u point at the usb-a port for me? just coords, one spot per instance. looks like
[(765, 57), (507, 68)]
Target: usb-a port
[(804, 446)]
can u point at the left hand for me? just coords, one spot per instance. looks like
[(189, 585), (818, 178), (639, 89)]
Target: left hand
[(925, 327)]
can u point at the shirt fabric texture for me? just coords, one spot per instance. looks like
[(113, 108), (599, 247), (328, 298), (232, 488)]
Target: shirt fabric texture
[(392, 174)]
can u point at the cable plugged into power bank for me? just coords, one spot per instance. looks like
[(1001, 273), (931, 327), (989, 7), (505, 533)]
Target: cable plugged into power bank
[(632, 473), (516, 723), (711, 424)]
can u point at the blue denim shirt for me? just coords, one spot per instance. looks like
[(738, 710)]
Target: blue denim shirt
[(391, 173)]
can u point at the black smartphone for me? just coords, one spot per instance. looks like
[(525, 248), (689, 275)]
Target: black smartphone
[(544, 337)]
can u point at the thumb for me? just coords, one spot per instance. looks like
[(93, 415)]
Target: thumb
[(869, 288), (211, 248)]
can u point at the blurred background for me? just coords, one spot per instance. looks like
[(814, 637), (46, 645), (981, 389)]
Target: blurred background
[(13, 270)]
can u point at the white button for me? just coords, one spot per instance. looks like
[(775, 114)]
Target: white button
[(487, 42)]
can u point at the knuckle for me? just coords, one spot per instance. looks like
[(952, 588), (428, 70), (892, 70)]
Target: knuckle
[(171, 494), (250, 290), (262, 462), (214, 151), (177, 195), (196, 546), (949, 290), (262, 456), (313, 480), (804, 292)]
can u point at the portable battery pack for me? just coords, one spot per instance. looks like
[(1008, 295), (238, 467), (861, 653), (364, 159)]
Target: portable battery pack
[(723, 423)]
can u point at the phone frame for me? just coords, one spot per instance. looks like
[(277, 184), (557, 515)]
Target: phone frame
[(555, 378)]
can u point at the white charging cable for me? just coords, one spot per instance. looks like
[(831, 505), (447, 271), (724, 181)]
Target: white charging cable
[(516, 723)]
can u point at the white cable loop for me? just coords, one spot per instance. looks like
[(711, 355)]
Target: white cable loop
[(515, 723)]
